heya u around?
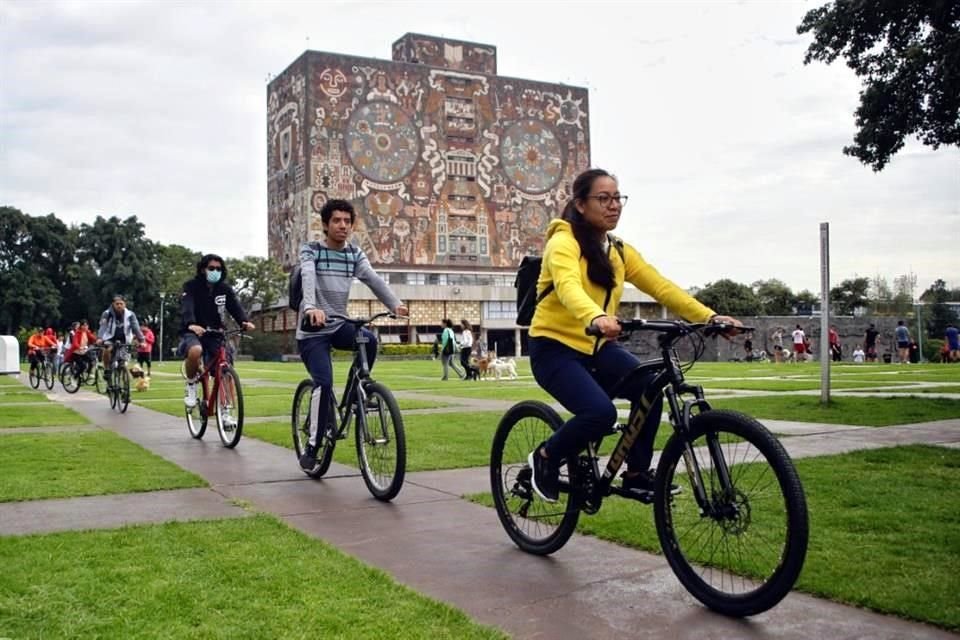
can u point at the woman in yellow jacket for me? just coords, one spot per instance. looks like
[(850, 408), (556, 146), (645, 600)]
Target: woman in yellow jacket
[(587, 268)]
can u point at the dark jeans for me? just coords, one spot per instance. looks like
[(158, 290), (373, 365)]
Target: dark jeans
[(582, 384), (315, 354)]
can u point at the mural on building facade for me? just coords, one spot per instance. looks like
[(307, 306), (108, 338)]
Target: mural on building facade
[(445, 167)]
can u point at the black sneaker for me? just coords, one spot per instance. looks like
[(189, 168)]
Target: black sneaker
[(545, 477), (309, 458), (643, 482)]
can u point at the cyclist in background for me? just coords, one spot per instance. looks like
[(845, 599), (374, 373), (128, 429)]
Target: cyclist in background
[(328, 268), (36, 344), (118, 325), (588, 275), (204, 303), (79, 349)]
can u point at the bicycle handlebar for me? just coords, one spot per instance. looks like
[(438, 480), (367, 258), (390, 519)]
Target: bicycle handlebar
[(309, 328), (675, 327), (227, 333)]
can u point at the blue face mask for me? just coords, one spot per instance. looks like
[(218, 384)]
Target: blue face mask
[(213, 277)]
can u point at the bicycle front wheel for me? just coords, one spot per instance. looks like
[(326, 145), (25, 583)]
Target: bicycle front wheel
[(69, 378), (381, 443), (99, 378), (741, 550), (122, 389), (34, 376), (197, 415), (300, 425), (229, 408), (535, 526), (49, 375)]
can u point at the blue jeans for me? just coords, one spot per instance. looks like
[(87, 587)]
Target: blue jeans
[(582, 384), (315, 354)]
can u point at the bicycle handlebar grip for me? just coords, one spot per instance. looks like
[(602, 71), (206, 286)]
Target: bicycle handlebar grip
[(593, 330)]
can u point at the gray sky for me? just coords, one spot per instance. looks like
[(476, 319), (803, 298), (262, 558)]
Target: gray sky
[(729, 148)]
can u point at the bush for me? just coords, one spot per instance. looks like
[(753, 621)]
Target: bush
[(263, 346), (931, 350)]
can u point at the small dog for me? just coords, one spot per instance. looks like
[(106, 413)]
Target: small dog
[(143, 380), (504, 368), (472, 372), (483, 366)]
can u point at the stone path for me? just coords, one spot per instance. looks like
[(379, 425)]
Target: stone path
[(456, 551)]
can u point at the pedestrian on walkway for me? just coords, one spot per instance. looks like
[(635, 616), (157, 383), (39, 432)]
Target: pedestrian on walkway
[(448, 348), (903, 342)]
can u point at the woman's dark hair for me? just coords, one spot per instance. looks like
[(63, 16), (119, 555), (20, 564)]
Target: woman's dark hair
[(448, 323), (326, 212), (599, 267), (205, 261), (466, 324)]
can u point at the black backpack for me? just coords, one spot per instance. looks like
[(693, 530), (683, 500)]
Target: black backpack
[(526, 284), (295, 283)]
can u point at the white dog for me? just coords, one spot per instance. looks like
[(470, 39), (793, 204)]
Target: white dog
[(504, 368)]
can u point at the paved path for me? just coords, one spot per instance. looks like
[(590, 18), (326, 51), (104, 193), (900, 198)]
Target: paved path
[(456, 551)]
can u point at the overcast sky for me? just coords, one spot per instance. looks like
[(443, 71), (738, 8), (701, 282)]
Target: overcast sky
[(729, 148)]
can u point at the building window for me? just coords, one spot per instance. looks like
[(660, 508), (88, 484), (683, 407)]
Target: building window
[(500, 310)]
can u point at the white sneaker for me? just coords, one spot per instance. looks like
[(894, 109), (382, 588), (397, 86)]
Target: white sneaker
[(190, 396)]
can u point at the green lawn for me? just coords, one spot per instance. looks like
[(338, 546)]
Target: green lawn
[(884, 530), (237, 578), (82, 463), (873, 411), (49, 414)]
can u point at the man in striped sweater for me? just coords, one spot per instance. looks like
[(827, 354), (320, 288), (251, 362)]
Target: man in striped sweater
[(327, 270)]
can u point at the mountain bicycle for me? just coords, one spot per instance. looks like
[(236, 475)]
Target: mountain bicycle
[(380, 441), (84, 368), (118, 377), (728, 505), (220, 395), (43, 371)]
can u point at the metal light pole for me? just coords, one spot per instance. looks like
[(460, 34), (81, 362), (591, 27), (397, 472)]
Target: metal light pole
[(919, 333), (162, 296)]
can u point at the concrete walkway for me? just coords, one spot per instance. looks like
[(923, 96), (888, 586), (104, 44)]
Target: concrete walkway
[(456, 551)]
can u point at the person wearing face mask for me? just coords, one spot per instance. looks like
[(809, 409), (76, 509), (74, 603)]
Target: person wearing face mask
[(204, 303), (118, 325)]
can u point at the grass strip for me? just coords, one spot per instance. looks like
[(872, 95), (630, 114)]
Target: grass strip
[(83, 463), (38, 415), (870, 412), (235, 578)]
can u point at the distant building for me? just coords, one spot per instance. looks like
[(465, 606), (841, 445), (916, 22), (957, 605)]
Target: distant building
[(454, 172)]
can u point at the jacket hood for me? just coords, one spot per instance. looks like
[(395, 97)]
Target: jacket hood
[(558, 226)]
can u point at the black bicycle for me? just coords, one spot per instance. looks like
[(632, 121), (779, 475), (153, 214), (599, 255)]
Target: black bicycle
[(380, 441), (84, 368), (118, 377), (43, 371), (728, 505)]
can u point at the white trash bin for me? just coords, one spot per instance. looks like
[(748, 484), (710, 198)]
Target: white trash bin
[(9, 355)]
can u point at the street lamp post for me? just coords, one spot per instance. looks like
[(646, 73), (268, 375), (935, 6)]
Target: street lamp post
[(162, 296)]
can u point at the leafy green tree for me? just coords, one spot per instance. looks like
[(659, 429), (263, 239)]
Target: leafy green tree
[(937, 314), (123, 260), (33, 252), (175, 265), (257, 280), (849, 295), (908, 54), (731, 298), (775, 297), (804, 302)]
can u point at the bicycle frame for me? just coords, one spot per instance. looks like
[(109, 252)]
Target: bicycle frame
[(217, 364), (354, 395), (669, 381)]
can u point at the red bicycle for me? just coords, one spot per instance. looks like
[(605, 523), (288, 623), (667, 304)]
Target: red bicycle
[(220, 395)]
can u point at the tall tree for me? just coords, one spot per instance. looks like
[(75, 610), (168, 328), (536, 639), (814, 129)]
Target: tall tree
[(32, 255), (175, 265), (729, 297), (850, 295), (937, 314), (908, 54), (775, 297), (257, 280)]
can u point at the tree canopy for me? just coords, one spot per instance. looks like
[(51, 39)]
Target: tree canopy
[(908, 54)]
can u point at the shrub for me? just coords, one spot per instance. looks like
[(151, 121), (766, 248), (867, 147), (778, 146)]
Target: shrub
[(263, 346), (931, 349)]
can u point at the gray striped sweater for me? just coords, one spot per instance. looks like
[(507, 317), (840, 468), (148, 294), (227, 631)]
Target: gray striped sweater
[(327, 275)]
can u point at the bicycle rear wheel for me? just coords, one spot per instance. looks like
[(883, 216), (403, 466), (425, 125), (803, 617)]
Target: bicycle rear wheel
[(34, 376), (229, 408), (112, 380), (69, 377), (197, 415), (122, 389), (742, 551), (381, 443), (99, 378), (535, 526), (300, 426)]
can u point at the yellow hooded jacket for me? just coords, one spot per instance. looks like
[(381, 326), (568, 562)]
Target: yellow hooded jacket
[(576, 300)]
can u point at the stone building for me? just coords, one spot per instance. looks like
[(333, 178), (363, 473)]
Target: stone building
[(454, 171)]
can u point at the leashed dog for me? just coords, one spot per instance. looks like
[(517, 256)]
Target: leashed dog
[(501, 368), (143, 380)]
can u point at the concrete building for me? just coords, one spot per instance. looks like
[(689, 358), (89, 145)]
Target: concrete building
[(454, 172)]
